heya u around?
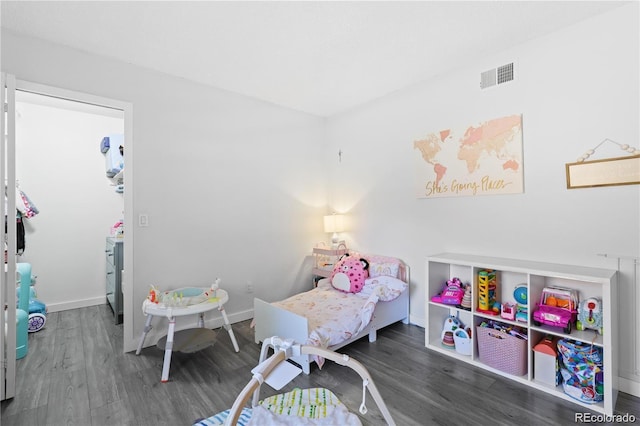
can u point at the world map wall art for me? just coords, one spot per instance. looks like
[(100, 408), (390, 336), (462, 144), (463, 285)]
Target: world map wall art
[(480, 159)]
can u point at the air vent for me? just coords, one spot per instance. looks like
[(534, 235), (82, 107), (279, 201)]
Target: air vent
[(495, 76)]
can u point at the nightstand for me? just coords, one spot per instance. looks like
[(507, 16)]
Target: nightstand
[(324, 258)]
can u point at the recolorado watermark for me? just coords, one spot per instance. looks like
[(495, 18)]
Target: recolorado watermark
[(603, 418)]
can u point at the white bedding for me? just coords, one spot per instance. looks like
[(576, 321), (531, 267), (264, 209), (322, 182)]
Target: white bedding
[(333, 316)]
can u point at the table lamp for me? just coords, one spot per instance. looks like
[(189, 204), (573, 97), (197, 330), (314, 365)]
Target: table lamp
[(333, 224)]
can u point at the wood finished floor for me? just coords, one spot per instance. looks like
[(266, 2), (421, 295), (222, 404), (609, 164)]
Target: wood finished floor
[(76, 374)]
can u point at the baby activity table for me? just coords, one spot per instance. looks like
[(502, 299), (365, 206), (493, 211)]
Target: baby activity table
[(183, 302)]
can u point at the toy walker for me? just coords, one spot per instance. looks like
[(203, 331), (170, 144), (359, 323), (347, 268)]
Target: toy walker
[(182, 302), (37, 310)]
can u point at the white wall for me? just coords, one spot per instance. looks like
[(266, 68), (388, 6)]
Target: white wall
[(573, 88), (60, 167), (233, 186)]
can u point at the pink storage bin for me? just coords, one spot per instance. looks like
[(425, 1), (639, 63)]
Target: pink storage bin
[(502, 351)]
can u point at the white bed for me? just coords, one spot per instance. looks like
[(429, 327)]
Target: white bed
[(273, 320)]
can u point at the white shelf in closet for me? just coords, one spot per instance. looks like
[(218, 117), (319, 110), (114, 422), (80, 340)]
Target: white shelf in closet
[(118, 179), (590, 282)]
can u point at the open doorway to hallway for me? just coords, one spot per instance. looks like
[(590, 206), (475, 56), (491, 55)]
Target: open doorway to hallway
[(60, 166)]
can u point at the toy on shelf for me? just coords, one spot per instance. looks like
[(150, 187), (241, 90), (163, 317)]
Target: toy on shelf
[(451, 294), (455, 336), (590, 315), (522, 302), (545, 360), (508, 311), (557, 308), (516, 311), (513, 330), (466, 298), (487, 288), (462, 340), (451, 324)]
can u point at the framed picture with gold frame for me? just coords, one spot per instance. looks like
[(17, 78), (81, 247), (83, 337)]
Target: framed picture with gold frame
[(606, 172)]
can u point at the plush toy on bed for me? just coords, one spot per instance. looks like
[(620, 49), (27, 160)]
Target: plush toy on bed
[(349, 274)]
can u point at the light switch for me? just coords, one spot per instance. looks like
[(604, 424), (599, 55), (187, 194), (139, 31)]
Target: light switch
[(143, 220)]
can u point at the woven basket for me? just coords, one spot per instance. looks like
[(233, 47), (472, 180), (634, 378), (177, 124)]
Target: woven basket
[(502, 351)]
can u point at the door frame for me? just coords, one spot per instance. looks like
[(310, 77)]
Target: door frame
[(8, 234)]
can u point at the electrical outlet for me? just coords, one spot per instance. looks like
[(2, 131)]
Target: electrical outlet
[(249, 287)]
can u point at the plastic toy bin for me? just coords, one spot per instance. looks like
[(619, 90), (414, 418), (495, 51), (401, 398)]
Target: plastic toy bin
[(502, 351)]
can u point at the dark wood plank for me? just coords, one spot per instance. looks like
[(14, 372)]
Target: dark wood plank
[(34, 377), (99, 356), (68, 398), (68, 350)]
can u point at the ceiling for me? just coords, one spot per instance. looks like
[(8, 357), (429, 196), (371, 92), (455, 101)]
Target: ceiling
[(320, 57)]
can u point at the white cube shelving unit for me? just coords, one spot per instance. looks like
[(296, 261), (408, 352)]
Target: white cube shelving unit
[(590, 282)]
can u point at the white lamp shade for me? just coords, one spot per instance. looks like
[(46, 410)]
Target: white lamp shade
[(334, 223)]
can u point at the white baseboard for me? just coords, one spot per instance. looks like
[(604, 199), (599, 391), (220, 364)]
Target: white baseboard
[(419, 321), (75, 304), (629, 386)]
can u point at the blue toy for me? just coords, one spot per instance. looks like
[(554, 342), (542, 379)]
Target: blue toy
[(22, 317), (590, 315), (522, 311), (37, 311)]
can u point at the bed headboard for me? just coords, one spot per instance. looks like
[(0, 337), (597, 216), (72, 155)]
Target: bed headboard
[(379, 260)]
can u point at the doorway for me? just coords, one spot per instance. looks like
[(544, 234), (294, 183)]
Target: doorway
[(60, 166)]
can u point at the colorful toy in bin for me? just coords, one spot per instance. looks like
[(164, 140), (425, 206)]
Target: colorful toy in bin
[(590, 315), (557, 308), (487, 287), (582, 370), (451, 294)]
